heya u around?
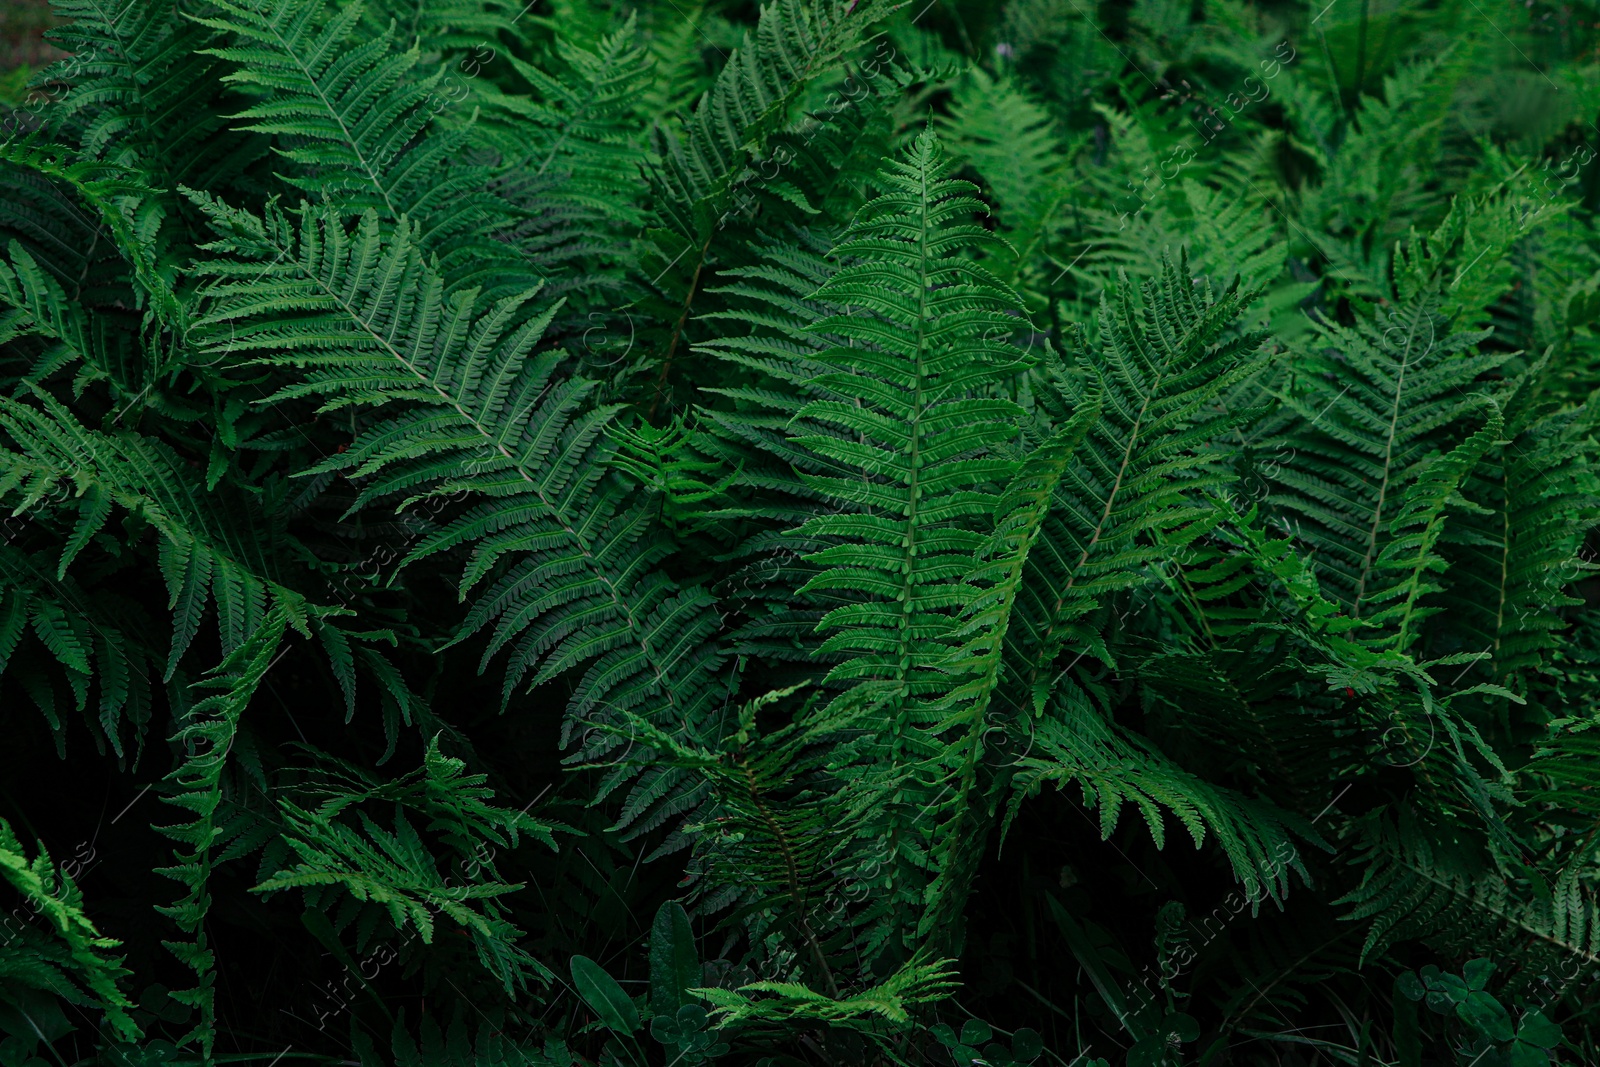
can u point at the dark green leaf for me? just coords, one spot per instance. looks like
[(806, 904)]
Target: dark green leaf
[(602, 993), (674, 960)]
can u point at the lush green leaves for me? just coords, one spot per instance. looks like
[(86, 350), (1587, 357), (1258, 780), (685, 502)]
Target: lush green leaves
[(877, 447)]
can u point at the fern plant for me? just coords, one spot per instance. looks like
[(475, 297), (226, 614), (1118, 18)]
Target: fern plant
[(802, 472)]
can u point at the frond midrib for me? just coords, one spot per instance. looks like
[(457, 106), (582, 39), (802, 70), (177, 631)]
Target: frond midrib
[(1388, 468)]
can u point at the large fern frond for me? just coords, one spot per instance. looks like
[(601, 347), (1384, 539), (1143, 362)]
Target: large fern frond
[(465, 413), (924, 357)]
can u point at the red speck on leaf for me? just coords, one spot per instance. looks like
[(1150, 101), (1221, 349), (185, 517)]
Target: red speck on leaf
[(1349, 692)]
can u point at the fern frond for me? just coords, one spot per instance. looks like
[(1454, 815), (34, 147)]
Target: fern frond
[(720, 144), (397, 871), (580, 127), (89, 636), (207, 735), (1511, 561), (207, 555), (782, 829), (1115, 767), (1373, 403), (1012, 141), (357, 120), (754, 95), (444, 26), (915, 446), (454, 802), (1433, 890), (129, 208), (1141, 470), (73, 959), (144, 93), (918, 981), (978, 663), (1403, 572), (1363, 205), (569, 154), (468, 414)]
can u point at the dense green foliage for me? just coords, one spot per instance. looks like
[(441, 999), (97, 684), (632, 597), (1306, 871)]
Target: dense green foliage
[(838, 532)]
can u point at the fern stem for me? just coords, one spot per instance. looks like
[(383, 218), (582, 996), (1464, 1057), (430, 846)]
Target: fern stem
[(677, 329), (796, 890), (1383, 486)]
